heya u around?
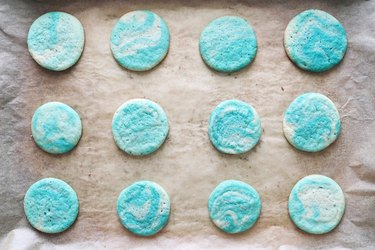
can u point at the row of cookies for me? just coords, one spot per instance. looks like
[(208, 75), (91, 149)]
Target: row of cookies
[(314, 40), (316, 205), (140, 126)]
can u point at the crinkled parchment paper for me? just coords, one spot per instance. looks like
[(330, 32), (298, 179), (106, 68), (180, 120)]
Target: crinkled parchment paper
[(187, 166)]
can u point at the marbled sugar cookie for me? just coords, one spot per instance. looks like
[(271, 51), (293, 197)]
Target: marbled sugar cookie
[(56, 40), (234, 206), (139, 127), (315, 41), (228, 44), (316, 204), (311, 122), (51, 205), (234, 127), (143, 208), (140, 40), (56, 127)]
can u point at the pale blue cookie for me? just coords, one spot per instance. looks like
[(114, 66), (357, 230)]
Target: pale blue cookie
[(56, 40), (140, 40), (228, 44), (315, 41), (139, 127), (234, 127), (51, 205), (316, 204), (234, 206), (143, 208), (311, 122), (56, 127)]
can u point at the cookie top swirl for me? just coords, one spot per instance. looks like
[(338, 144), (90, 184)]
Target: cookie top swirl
[(56, 40), (234, 206), (140, 40), (316, 204), (315, 41), (143, 208), (311, 122)]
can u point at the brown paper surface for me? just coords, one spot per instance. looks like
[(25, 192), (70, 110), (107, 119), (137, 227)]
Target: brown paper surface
[(187, 165)]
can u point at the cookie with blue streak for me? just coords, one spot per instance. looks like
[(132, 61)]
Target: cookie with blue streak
[(143, 208), (56, 127), (140, 40), (315, 41), (316, 204), (311, 122), (56, 40), (234, 127), (139, 127), (228, 44), (51, 205), (234, 206)]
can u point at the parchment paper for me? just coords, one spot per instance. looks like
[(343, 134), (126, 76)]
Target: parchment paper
[(187, 166)]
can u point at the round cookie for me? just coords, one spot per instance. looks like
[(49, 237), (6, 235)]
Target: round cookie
[(228, 44), (234, 206), (311, 122), (56, 40), (51, 205), (315, 41), (139, 127), (316, 204), (234, 127), (143, 208), (56, 127), (140, 40)]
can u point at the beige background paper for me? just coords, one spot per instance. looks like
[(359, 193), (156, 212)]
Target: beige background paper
[(187, 166)]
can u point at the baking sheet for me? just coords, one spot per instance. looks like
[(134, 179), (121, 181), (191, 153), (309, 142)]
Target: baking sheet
[(187, 166)]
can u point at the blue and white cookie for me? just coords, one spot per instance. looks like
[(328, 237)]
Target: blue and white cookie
[(315, 41), (51, 205), (311, 122), (316, 204), (56, 40), (56, 127), (140, 40), (228, 44), (143, 208), (139, 126), (234, 127), (234, 206)]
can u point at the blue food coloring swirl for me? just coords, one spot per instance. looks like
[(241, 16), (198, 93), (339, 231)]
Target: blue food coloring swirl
[(140, 40), (56, 40), (51, 205), (315, 41), (234, 206), (311, 122), (143, 208), (234, 127), (139, 127), (316, 204), (56, 127)]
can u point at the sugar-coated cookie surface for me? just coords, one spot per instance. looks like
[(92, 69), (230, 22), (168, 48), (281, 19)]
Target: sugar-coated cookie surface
[(140, 40), (56, 127), (311, 122), (315, 41), (234, 127), (139, 127), (234, 206), (56, 40), (51, 205), (316, 204), (228, 44), (143, 208)]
